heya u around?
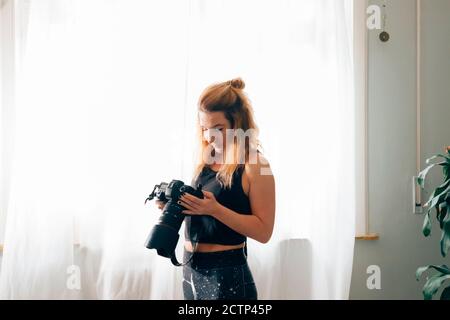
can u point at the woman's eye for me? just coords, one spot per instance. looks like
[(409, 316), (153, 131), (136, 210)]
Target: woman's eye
[(220, 129)]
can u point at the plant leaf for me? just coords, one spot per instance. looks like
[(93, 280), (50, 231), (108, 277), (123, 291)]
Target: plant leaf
[(438, 194), (426, 228), (420, 180), (445, 294), (446, 170), (442, 269), (447, 158), (423, 174), (445, 237), (433, 284), (441, 213)]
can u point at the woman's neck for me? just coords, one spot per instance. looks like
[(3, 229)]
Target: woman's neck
[(215, 167)]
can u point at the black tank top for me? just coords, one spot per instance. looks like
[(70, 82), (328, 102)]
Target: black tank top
[(205, 228)]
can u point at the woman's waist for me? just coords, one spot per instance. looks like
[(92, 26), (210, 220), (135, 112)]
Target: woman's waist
[(215, 259), (211, 247)]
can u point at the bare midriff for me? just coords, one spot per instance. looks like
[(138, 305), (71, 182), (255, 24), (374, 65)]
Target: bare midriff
[(211, 247)]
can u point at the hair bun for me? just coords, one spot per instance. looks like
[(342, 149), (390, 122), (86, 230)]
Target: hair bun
[(237, 83)]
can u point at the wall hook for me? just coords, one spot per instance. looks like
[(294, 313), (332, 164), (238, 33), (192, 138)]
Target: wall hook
[(384, 35)]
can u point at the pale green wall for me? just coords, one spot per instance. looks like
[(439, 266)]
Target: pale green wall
[(392, 145)]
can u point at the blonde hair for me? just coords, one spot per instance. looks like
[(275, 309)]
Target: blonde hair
[(228, 97)]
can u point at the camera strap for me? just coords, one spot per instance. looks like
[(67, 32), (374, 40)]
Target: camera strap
[(194, 248), (175, 262)]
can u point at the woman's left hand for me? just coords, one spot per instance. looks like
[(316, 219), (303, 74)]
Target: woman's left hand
[(196, 206)]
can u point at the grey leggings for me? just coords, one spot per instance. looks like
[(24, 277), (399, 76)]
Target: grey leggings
[(221, 275)]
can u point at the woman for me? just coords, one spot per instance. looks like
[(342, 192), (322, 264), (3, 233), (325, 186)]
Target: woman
[(239, 198)]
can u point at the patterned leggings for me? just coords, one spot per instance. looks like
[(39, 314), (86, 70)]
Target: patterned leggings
[(220, 275)]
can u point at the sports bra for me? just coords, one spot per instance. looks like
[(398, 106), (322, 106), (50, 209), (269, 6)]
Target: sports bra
[(205, 228)]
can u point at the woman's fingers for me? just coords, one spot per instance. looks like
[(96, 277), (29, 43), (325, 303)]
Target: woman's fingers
[(208, 194), (160, 204), (190, 197), (187, 205)]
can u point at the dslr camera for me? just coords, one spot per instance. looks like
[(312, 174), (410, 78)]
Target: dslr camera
[(164, 235)]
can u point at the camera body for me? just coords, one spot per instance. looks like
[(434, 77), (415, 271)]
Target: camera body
[(164, 235)]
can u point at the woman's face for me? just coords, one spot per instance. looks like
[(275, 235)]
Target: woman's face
[(217, 121)]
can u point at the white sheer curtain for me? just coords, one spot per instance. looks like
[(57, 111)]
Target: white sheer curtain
[(105, 109)]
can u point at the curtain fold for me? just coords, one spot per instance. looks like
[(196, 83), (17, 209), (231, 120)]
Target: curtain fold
[(105, 109)]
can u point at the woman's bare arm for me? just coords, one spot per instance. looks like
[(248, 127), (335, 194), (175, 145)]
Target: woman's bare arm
[(259, 225)]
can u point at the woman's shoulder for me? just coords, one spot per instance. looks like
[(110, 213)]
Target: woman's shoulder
[(257, 168)]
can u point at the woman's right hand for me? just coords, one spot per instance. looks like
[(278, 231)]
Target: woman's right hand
[(160, 204)]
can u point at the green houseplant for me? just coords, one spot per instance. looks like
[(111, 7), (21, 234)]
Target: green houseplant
[(440, 201)]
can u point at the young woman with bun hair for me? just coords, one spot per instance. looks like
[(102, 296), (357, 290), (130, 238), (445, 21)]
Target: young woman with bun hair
[(239, 197)]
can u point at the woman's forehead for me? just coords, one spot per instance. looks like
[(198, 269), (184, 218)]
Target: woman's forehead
[(211, 119)]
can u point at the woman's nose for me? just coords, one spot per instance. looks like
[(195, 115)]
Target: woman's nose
[(207, 136), (212, 135)]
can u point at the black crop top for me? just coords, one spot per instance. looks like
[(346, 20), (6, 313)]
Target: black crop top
[(205, 228)]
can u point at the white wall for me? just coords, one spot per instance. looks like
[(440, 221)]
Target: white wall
[(6, 101), (392, 146)]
